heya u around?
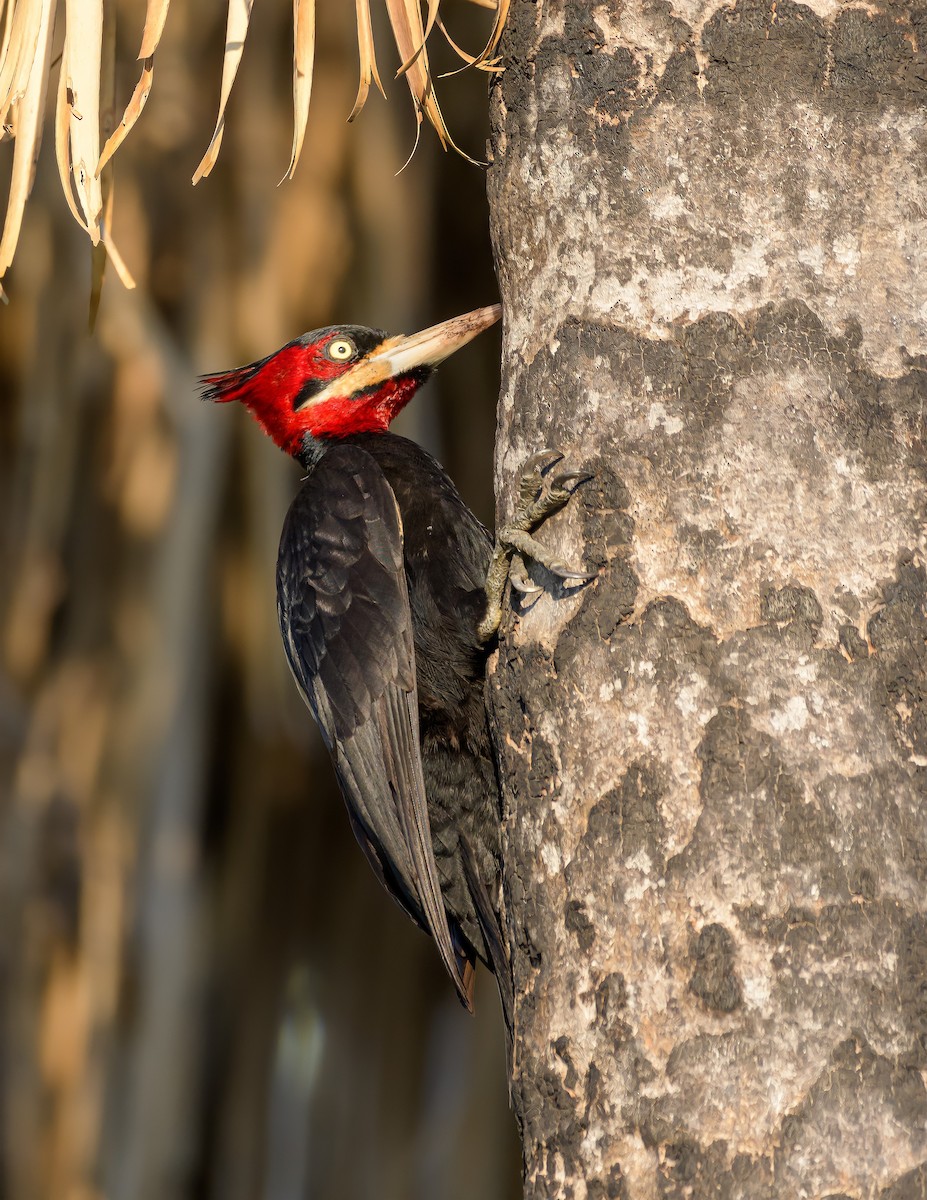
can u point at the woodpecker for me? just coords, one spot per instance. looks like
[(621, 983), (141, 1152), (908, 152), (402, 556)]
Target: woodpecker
[(389, 594)]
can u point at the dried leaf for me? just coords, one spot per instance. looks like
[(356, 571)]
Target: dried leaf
[(368, 61), (20, 53), (62, 140), (77, 111), (107, 120), (406, 20), (303, 57), (28, 137), (155, 16), (107, 91), (235, 33), (102, 252), (7, 30), (63, 117), (81, 69), (107, 185), (119, 265), (433, 6), (502, 12), (131, 115), (470, 60)]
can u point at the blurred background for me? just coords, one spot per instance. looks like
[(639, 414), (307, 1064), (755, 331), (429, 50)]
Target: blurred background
[(203, 990)]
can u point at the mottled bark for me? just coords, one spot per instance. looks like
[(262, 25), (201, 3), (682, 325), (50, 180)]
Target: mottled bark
[(710, 228)]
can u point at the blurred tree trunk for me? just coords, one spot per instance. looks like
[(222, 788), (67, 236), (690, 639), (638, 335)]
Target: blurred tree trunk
[(203, 992), (710, 235)]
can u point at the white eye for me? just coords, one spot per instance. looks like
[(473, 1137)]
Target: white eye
[(340, 349)]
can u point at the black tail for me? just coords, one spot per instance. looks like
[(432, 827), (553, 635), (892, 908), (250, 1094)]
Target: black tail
[(498, 954)]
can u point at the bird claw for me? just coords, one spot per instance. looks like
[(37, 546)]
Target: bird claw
[(532, 480), (541, 494), (577, 478), (542, 461), (567, 574), (522, 545), (519, 578)]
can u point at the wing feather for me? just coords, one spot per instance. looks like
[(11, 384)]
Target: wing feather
[(347, 629)]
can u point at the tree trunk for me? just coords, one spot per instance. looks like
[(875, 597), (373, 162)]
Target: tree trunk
[(710, 228)]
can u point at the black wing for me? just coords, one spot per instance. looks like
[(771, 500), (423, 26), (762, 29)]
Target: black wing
[(347, 630)]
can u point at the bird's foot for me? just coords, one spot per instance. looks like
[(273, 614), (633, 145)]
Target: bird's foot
[(542, 492)]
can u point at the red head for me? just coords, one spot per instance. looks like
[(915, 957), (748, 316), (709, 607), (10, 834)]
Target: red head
[(341, 380)]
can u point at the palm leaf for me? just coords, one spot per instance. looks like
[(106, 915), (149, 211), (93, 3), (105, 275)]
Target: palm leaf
[(28, 135), (20, 52), (236, 31), (155, 17), (406, 19), (81, 68), (131, 115), (368, 60), (86, 68), (303, 57)]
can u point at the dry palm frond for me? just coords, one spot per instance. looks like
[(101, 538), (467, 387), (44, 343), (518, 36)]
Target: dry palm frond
[(25, 62), (5, 38), (405, 16), (411, 38), (368, 60), (303, 57), (62, 149), (131, 115), (81, 70), (235, 33), (433, 6), (105, 249), (107, 105), (29, 109), (502, 12), (406, 19), (20, 56), (155, 17), (469, 60), (77, 134)]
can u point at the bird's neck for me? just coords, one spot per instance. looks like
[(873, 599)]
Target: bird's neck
[(312, 448), (310, 451)]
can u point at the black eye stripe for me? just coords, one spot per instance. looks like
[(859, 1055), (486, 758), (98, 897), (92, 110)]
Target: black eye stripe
[(419, 375), (310, 388)]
